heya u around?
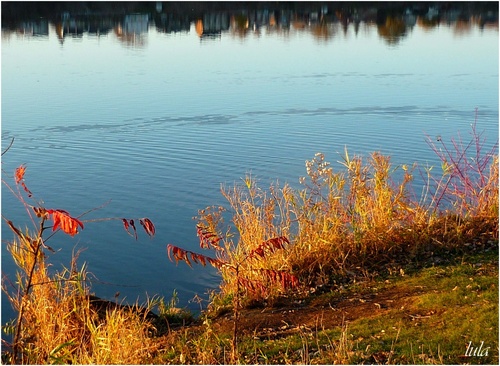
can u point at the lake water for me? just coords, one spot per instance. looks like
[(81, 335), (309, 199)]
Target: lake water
[(156, 119)]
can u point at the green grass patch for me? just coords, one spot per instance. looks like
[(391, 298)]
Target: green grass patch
[(455, 311), (459, 305)]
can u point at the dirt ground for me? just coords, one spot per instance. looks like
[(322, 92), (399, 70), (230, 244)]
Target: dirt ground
[(316, 314)]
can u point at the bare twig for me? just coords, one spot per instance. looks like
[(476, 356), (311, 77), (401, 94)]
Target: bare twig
[(8, 147)]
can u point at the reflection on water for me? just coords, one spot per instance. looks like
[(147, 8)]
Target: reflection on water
[(323, 21)]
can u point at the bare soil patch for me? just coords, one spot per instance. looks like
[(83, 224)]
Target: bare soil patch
[(319, 313)]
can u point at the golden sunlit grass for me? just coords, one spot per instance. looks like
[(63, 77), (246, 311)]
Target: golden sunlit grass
[(58, 323), (352, 221)]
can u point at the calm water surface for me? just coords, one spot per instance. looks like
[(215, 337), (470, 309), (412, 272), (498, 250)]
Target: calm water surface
[(156, 122)]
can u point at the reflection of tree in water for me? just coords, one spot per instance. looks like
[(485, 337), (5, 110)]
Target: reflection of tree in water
[(323, 31), (129, 38), (428, 24), (239, 25), (133, 30), (130, 21), (462, 27), (392, 30)]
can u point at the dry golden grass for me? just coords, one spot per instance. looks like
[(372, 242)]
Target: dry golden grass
[(350, 216), (57, 323), (346, 222)]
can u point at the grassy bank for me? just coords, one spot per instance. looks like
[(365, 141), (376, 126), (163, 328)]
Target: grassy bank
[(428, 316), (354, 267)]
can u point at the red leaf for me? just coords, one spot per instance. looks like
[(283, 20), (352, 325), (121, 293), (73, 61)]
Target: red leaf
[(178, 254), (270, 245), (133, 226), (186, 259), (278, 243), (207, 238), (20, 173), (65, 222), (56, 220), (202, 260), (169, 250), (194, 257), (126, 226), (19, 177), (260, 252), (148, 226)]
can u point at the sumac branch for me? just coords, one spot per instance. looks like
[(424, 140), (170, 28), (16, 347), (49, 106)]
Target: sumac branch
[(179, 254), (237, 268)]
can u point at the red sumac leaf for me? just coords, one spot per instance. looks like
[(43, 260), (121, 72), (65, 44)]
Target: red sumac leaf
[(19, 178), (55, 219), (148, 226), (19, 175), (200, 259), (194, 257), (126, 226), (207, 238), (176, 252), (278, 243), (260, 252), (133, 226), (171, 249), (270, 245), (188, 262), (62, 219)]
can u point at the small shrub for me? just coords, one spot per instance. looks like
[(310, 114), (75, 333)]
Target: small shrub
[(56, 321)]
